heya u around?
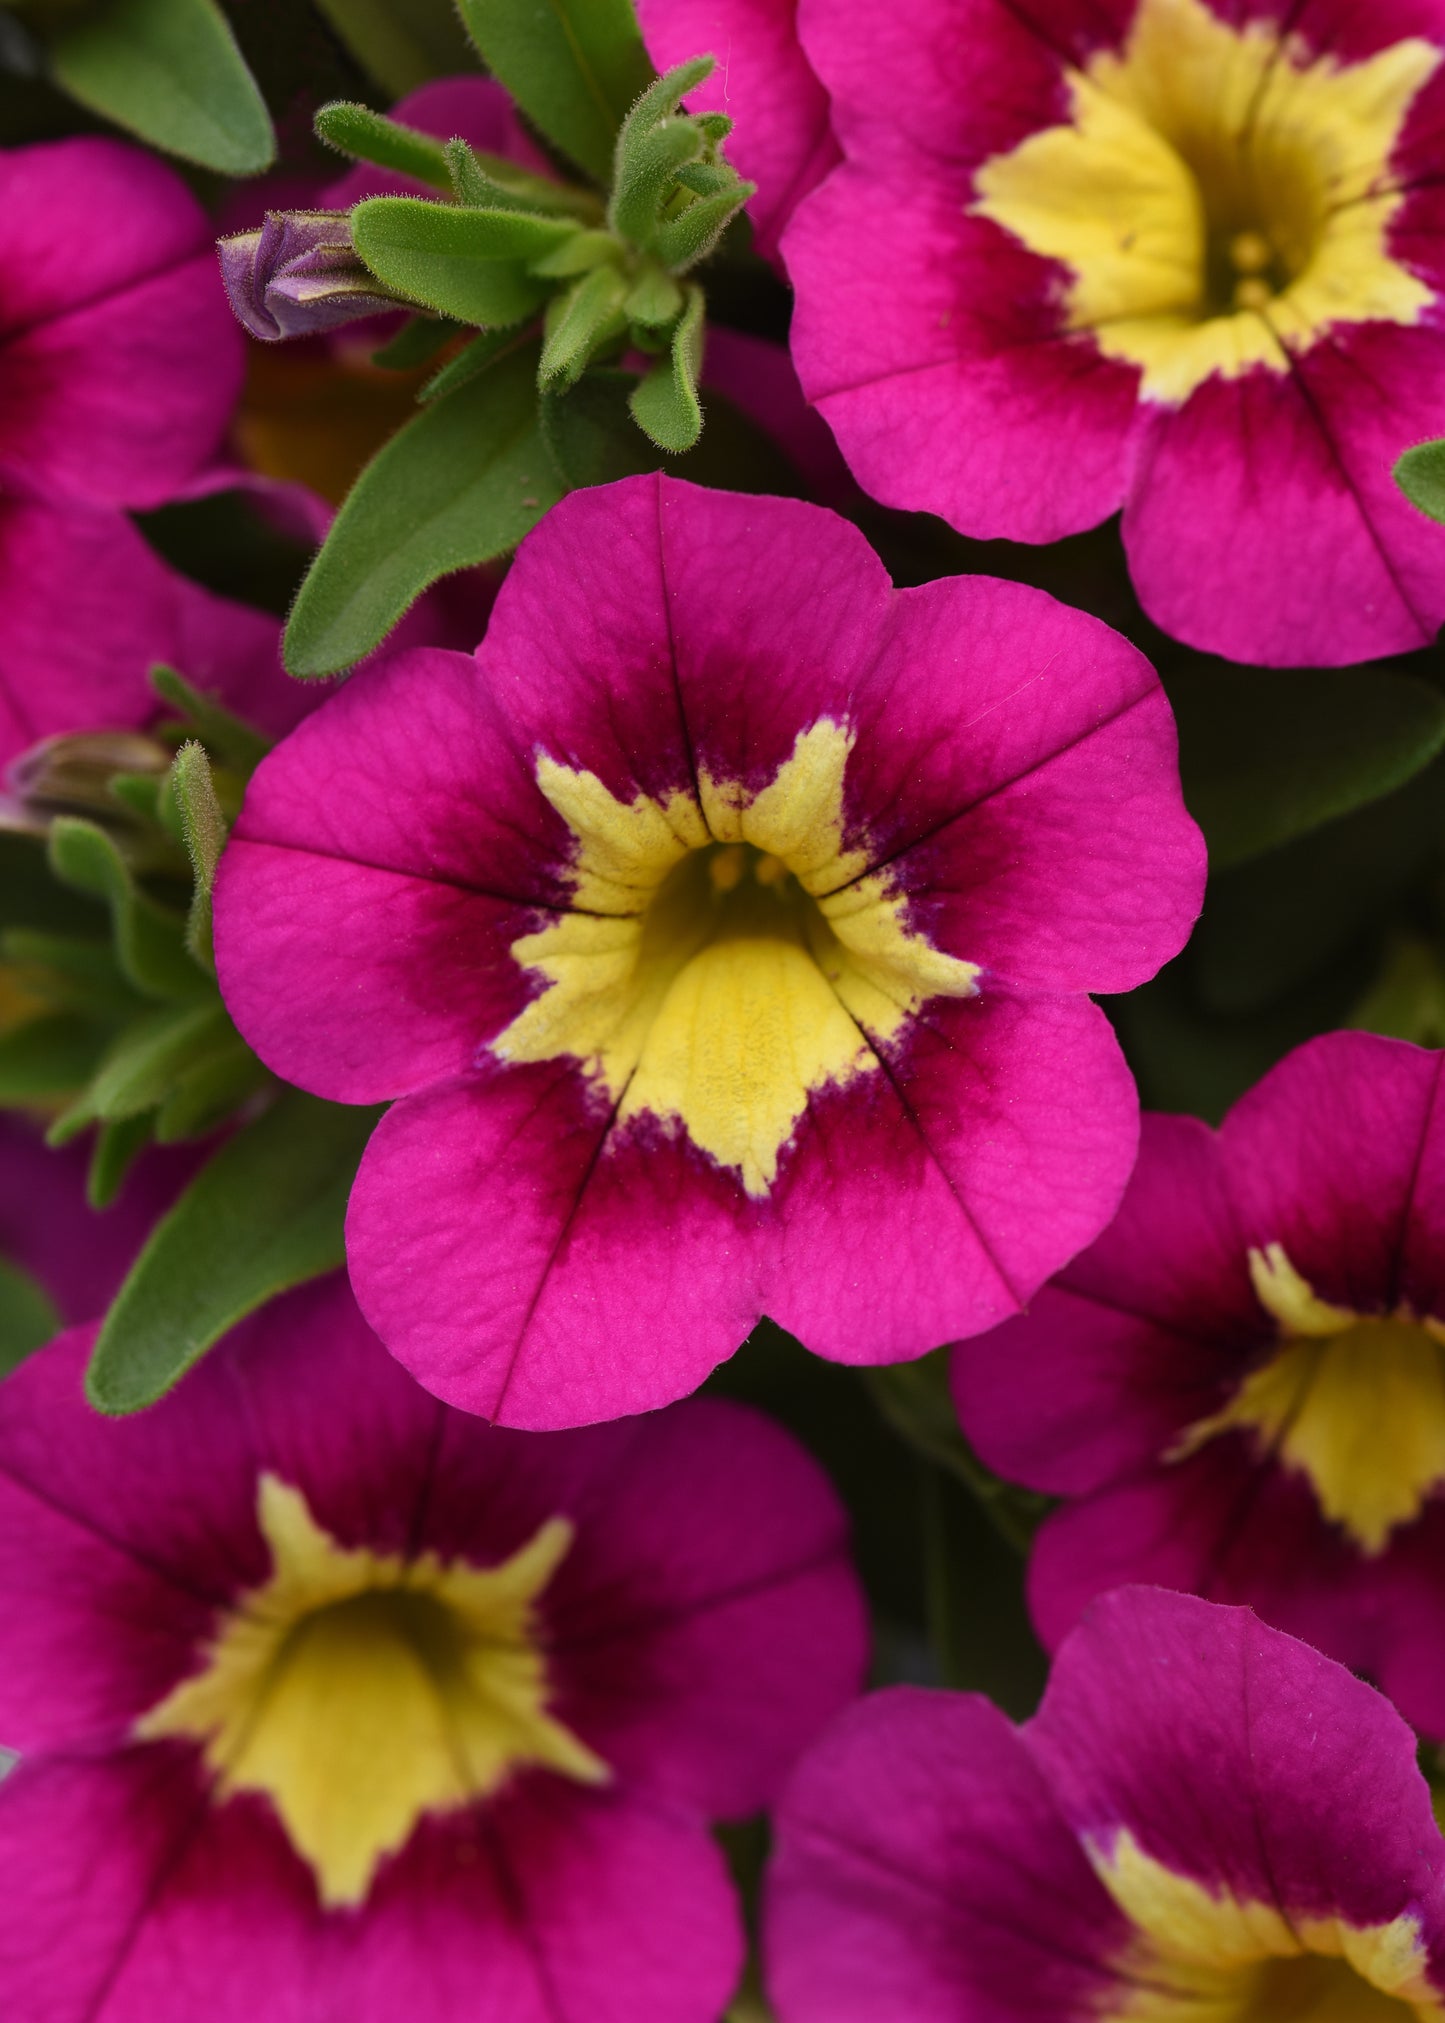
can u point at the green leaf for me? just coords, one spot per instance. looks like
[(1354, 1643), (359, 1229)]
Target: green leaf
[(203, 827), (1420, 474), (488, 182), (417, 342), (646, 174), (145, 1060), (48, 1058), (460, 484), (587, 316), (225, 736), (574, 66), (170, 72), (467, 264), (202, 1096), (665, 404), (655, 300), (28, 1316), (263, 1215), (402, 43), (117, 1147), (371, 137), (1267, 756), (689, 237), (471, 360), (593, 440), (71, 971), (149, 941)]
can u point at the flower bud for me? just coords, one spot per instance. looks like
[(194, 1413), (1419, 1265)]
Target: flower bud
[(299, 275)]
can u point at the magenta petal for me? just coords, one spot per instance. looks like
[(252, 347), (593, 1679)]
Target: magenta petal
[(121, 358), (975, 1165), (1238, 1757), (1136, 1340), (923, 1874), (1328, 1157), (520, 1271)]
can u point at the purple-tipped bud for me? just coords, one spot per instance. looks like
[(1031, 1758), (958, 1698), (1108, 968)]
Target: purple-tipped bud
[(299, 275)]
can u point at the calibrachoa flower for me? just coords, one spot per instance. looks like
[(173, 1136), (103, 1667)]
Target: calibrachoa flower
[(783, 142), (121, 359), (1181, 256), (724, 926), (1241, 1386), (1205, 1820), (335, 1702)]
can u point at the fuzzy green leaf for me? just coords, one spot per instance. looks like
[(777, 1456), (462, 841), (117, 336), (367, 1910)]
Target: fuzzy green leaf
[(665, 405), (369, 136), (203, 829), (574, 66), (264, 1214), (143, 1063), (464, 263), (693, 233), (170, 72), (117, 1147), (460, 484), (149, 941), (28, 1316), (1420, 474), (225, 736), (586, 317)]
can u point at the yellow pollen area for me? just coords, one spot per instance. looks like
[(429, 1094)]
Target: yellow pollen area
[(358, 1691), (1202, 1957), (1355, 1402), (725, 955), (1220, 197)]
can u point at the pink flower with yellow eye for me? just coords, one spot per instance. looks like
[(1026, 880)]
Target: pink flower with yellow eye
[(1240, 1388), (332, 1701), (1176, 256), (724, 929)]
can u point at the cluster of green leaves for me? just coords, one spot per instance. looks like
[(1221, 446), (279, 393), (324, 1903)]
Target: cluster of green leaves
[(561, 280), (106, 949)]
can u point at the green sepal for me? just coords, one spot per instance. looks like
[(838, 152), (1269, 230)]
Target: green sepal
[(48, 1058), (369, 136), (468, 264), (116, 1149), (461, 483), (149, 941), (574, 66), (226, 737), (579, 323), (664, 404), (203, 831), (1420, 474), (681, 242), (401, 43), (662, 97), (265, 1214), (28, 1316), (170, 72)]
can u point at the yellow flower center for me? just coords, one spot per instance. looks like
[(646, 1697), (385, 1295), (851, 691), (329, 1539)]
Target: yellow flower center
[(1201, 1957), (725, 956), (358, 1691), (1356, 1402), (1220, 195)]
